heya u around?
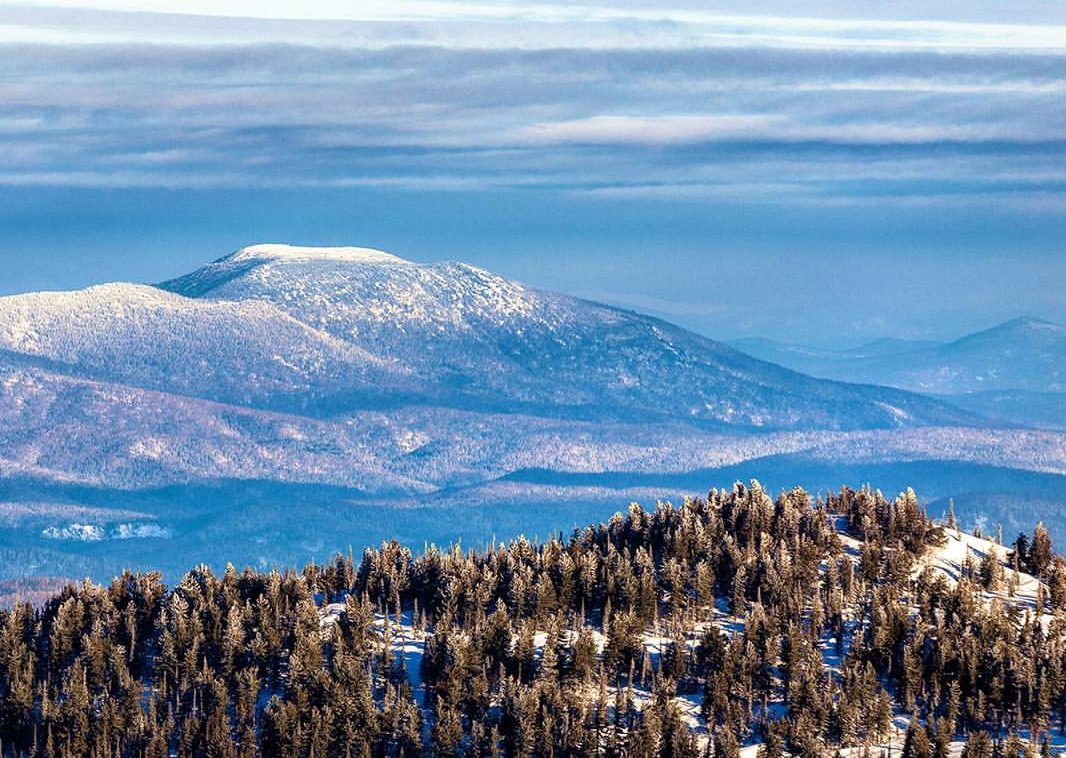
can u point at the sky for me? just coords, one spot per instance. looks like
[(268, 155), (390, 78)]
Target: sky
[(823, 172)]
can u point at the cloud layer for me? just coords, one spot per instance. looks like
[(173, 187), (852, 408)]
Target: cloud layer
[(956, 105)]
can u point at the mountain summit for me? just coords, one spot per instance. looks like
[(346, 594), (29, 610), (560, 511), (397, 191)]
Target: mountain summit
[(281, 252)]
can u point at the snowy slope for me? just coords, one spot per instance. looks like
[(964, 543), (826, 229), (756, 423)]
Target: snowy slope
[(479, 341), (70, 429), (249, 352)]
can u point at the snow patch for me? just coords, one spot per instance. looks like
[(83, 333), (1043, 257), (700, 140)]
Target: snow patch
[(139, 531), (74, 532)]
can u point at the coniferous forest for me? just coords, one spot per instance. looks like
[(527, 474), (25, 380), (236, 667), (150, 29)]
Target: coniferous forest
[(852, 624)]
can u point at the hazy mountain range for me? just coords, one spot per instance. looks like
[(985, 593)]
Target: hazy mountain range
[(1014, 372), (283, 402)]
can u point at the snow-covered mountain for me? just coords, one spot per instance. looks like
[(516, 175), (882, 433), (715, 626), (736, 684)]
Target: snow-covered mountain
[(281, 375), (472, 339), (353, 367), (326, 331)]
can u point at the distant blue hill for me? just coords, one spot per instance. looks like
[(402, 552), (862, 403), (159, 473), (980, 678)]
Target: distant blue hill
[(1013, 373)]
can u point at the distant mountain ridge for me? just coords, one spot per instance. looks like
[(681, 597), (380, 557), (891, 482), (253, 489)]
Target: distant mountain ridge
[(812, 360), (1015, 371), (1021, 354)]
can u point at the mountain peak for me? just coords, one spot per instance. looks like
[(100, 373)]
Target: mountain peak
[(1020, 328), (282, 252), (277, 258), (1031, 323)]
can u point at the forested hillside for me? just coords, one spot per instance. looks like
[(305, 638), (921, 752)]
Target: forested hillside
[(724, 626)]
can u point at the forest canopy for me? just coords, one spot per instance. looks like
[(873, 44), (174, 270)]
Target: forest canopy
[(802, 626)]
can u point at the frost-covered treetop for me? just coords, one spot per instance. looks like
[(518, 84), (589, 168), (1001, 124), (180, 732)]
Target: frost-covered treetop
[(280, 252)]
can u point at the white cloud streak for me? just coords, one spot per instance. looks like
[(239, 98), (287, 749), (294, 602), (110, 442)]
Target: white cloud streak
[(525, 25)]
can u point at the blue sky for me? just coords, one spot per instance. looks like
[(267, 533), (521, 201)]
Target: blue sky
[(822, 172)]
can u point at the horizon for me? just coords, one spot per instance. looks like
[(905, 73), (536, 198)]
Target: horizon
[(828, 346), (826, 175)]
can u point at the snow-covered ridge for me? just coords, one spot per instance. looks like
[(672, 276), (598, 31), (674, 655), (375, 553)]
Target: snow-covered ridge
[(282, 252), (138, 335)]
